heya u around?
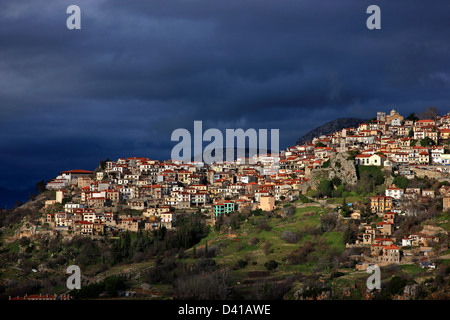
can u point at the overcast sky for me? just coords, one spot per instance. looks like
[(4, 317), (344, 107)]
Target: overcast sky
[(138, 70)]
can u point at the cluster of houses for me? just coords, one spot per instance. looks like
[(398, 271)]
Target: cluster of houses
[(385, 249), (156, 190), (389, 140), (93, 201)]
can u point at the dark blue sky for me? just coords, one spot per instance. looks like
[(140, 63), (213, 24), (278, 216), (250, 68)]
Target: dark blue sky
[(137, 70)]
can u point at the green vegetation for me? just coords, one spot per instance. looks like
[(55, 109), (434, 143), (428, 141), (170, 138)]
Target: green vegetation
[(109, 286), (319, 145), (102, 163), (324, 189), (329, 188), (401, 182), (297, 250), (369, 177), (426, 142), (352, 154), (396, 285), (304, 199), (412, 116), (326, 164)]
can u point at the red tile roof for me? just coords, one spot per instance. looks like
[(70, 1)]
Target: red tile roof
[(78, 171)]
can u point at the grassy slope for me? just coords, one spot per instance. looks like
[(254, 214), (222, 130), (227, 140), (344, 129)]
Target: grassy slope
[(232, 250)]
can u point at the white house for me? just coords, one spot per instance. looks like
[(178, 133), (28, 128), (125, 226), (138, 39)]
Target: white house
[(436, 154), (394, 192), (73, 175), (406, 242), (445, 159), (69, 207), (370, 159), (396, 122)]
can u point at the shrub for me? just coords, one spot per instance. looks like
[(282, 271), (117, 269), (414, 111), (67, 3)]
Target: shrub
[(241, 264), (326, 164), (258, 212), (324, 189), (301, 255), (112, 284), (328, 222), (288, 212), (90, 291), (396, 285), (263, 225), (271, 265), (369, 177), (401, 182), (203, 286), (266, 290), (266, 248), (24, 241), (290, 236), (336, 274), (304, 199)]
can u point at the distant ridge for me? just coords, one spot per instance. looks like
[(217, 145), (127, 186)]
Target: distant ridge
[(330, 127), (8, 198)]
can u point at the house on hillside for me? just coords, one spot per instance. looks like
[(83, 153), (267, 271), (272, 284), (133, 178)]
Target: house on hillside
[(370, 159), (381, 204), (394, 192), (224, 207), (267, 203)]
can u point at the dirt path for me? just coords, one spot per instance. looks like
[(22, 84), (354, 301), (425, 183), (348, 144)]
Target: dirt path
[(447, 256)]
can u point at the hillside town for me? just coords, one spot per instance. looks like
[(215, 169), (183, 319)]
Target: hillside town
[(132, 194)]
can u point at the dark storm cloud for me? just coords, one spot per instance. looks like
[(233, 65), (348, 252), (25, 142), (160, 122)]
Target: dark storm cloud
[(137, 70)]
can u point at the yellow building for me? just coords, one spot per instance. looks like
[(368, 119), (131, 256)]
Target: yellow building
[(394, 118), (267, 203), (381, 204)]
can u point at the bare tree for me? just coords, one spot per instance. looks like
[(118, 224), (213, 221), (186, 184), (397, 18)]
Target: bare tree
[(429, 113), (204, 286), (290, 236), (328, 221)]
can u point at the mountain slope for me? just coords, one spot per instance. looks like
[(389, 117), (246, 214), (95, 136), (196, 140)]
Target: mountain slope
[(330, 127), (8, 198)]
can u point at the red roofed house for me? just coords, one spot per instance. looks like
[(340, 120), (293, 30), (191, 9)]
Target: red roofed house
[(73, 175), (394, 192), (445, 134), (390, 254), (385, 228), (130, 224), (83, 227), (385, 251), (424, 123), (370, 159)]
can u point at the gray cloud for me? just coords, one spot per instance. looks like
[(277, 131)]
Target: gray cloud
[(137, 70)]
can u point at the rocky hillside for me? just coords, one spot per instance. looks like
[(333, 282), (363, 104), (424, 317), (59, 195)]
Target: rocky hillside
[(330, 127), (340, 166)]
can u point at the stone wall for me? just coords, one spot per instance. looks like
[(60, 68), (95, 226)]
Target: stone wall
[(440, 176)]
